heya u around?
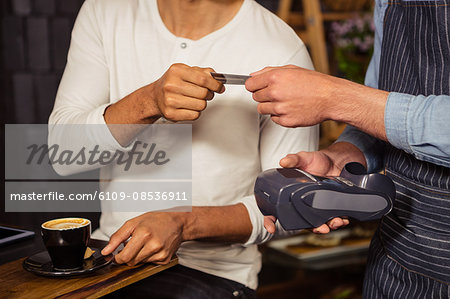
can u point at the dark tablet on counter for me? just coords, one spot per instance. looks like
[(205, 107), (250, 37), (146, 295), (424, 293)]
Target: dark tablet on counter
[(10, 235)]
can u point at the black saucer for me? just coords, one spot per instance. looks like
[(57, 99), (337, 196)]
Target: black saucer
[(41, 264)]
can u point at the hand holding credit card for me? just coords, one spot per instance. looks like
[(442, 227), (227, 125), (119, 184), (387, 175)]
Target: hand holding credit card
[(230, 78)]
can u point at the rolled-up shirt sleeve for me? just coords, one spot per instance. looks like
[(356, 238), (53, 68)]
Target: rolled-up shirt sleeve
[(415, 124), (419, 125), (259, 233)]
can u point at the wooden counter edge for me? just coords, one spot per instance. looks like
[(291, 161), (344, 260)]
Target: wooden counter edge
[(123, 279)]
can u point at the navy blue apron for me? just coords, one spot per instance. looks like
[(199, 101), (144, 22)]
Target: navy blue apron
[(410, 253)]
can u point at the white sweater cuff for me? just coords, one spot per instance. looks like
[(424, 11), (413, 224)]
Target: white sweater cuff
[(259, 233), (101, 134)]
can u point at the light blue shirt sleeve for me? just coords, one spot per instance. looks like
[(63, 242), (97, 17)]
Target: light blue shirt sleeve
[(420, 126)]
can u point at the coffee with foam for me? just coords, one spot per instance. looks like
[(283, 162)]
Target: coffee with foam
[(65, 223), (66, 240)]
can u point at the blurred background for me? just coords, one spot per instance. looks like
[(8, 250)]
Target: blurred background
[(35, 37)]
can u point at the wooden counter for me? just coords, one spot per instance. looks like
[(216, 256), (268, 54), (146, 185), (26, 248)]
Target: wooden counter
[(15, 282)]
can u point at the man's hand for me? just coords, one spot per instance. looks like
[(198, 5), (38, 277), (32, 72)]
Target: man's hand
[(156, 236), (335, 223), (153, 237), (326, 162), (298, 97), (292, 95), (182, 92)]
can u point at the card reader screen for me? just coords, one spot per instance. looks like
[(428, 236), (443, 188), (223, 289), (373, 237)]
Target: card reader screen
[(296, 174)]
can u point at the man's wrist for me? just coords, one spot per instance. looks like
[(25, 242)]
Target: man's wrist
[(342, 100), (218, 223), (146, 102), (342, 153), (138, 107), (187, 220), (358, 105)]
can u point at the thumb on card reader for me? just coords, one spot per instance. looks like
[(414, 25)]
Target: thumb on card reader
[(301, 200)]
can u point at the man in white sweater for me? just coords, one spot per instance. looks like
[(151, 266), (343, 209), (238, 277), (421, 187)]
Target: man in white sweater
[(130, 63)]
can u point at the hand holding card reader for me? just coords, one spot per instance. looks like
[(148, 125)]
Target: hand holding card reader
[(301, 200)]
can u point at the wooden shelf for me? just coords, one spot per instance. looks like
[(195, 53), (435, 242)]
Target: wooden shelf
[(309, 25)]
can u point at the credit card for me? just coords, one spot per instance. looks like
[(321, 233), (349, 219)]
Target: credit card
[(230, 78)]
